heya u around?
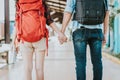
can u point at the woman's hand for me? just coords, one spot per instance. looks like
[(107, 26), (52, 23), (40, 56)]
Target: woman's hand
[(62, 38), (15, 46), (15, 42)]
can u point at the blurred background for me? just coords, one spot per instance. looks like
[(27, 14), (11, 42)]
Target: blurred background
[(60, 64)]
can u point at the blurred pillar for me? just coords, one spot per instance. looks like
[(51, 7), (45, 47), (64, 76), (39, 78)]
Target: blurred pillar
[(7, 25), (117, 34)]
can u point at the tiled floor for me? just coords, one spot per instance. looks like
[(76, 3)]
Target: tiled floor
[(60, 65)]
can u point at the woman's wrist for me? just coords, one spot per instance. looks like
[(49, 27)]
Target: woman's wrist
[(63, 31)]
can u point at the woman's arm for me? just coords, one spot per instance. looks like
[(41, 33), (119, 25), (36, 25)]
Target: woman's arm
[(49, 20), (14, 44), (55, 28), (61, 36), (47, 15), (51, 23), (14, 36)]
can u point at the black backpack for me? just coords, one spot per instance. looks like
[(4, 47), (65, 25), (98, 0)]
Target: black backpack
[(90, 12)]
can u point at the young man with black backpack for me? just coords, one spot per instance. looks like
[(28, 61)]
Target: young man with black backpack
[(89, 18)]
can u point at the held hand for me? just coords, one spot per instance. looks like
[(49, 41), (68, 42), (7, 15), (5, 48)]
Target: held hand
[(62, 38)]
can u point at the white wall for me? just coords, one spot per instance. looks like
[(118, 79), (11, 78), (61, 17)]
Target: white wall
[(12, 9), (1, 10)]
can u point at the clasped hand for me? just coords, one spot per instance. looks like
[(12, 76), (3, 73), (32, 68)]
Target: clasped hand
[(62, 38)]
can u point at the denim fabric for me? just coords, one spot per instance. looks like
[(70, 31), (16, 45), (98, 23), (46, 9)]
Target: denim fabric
[(93, 37)]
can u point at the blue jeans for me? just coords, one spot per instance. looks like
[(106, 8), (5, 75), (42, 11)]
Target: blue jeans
[(93, 37)]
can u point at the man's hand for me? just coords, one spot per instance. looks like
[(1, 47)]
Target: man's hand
[(104, 40), (62, 38)]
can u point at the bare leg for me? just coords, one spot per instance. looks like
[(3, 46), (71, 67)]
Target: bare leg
[(39, 64), (27, 54)]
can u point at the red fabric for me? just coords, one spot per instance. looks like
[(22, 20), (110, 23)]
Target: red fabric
[(27, 1), (30, 21)]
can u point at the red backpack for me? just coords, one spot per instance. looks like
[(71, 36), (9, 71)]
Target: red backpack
[(30, 21)]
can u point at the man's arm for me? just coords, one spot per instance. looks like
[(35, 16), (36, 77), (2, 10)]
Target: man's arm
[(66, 19), (106, 25), (106, 22), (70, 6)]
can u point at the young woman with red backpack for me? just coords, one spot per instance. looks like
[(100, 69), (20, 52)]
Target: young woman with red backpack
[(32, 34)]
